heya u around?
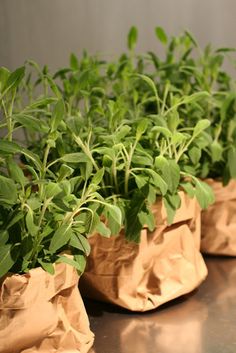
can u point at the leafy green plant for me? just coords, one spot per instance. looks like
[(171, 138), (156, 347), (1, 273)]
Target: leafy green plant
[(190, 69), (144, 156), (47, 213), (119, 121)]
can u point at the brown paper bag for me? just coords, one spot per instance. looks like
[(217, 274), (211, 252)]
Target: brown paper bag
[(44, 313), (140, 277), (219, 221)]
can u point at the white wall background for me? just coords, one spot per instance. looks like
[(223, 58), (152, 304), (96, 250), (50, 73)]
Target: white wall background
[(49, 30)]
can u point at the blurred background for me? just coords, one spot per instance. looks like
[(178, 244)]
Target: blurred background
[(48, 31)]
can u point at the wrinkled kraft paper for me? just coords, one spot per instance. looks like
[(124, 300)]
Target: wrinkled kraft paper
[(219, 221), (140, 277), (44, 313)]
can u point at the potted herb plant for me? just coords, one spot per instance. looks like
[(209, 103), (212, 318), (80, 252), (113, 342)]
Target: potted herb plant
[(190, 69), (146, 175), (44, 224)]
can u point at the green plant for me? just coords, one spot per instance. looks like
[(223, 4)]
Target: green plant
[(144, 156), (190, 69), (47, 213)]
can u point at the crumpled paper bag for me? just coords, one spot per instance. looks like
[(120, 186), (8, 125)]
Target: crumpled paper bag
[(44, 313), (219, 221), (140, 277)]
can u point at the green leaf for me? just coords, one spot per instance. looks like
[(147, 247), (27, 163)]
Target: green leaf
[(225, 50), (195, 154), (170, 172), (170, 210), (204, 194), (141, 128), (8, 191), (16, 172), (74, 64), (178, 138), (52, 189), (226, 104), (175, 176), (60, 238), (13, 80), (106, 151), (7, 259), (31, 123), (195, 97), (122, 133), (98, 91), (77, 157), (34, 203), (161, 35), (157, 180), (31, 227), (64, 172), (4, 236), (47, 266), (57, 115), (4, 74), (9, 147), (102, 229), (132, 38), (113, 226), (40, 102), (133, 225), (142, 160), (53, 87), (14, 218), (79, 262), (159, 129), (190, 36), (97, 178), (147, 218), (188, 188), (150, 83), (172, 202), (80, 242), (115, 213), (201, 126), (232, 161), (216, 151), (32, 156), (173, 121)]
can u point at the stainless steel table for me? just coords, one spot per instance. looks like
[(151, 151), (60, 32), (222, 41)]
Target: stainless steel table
[(202, 322)]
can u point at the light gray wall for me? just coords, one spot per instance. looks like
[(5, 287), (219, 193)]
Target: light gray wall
[(49, 30)]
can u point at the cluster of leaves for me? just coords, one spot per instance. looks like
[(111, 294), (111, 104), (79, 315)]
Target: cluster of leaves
[(104, 141), (144, 155), (188, 69), (45, 212)]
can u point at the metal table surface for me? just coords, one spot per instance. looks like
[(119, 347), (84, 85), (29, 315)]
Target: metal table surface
[(202, 322)]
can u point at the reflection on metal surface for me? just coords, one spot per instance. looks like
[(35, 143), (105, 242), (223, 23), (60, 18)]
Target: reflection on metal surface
[(219, 292), (204, 322), (166, 332)]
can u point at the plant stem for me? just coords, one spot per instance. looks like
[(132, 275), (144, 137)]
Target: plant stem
[(127, 167), (38, 239), (86, 150)]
